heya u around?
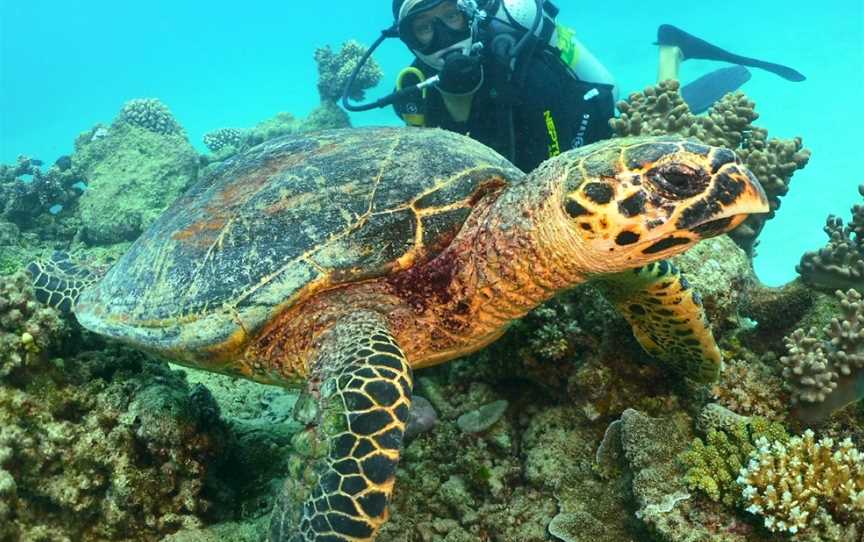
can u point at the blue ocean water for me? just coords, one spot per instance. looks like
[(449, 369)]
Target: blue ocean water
[(65, 66)]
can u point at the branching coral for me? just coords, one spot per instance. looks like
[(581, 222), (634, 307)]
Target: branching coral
[(334, 69), (223, 137), (660, 110), (151, 114), (714, 463), (840, 264), (789, 484), (827, 374), (749, 387), (28, 329)]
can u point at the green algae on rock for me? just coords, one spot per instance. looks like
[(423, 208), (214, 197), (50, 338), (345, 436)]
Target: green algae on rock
[(133, 174)]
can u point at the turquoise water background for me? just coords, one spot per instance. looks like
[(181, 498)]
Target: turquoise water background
[(65, 66)]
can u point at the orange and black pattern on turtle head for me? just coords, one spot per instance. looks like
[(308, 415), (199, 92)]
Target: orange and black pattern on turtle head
[(656, 194)]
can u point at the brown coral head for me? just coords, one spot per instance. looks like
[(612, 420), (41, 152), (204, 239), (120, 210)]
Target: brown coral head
[(637, 200)]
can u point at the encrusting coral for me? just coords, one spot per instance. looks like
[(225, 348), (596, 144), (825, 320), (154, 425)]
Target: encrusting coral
[(27, 328), (840, 263), (661, 110), (824, 375), (791, 484)]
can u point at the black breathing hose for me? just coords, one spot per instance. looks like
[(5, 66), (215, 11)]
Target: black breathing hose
[(391, 32)]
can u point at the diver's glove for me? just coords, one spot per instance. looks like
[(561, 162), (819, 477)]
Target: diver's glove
[(461, 74)]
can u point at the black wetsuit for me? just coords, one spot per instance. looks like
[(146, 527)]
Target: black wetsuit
[(552, 110)]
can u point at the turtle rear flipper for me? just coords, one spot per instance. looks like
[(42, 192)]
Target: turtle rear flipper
[(667, 318), (359, 394), (58, 281)]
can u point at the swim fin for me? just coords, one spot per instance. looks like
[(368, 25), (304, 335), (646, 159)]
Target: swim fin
[(704, 92), (693, 47)]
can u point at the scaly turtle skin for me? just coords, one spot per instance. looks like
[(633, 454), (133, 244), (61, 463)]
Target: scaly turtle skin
[(338, 261)]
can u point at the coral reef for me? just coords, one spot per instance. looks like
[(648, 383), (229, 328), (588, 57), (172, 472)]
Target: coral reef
[(794, 484), (750, 387), (713, 464), (116, 448), (722, 274), (826, 374), (334, 69), (133, 174), (150, 114), (840, 264), (223, 137), (660, 110), (31, 197), (100, 445), (27, 329)]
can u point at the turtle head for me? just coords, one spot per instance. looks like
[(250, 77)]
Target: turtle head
[(632, 201)]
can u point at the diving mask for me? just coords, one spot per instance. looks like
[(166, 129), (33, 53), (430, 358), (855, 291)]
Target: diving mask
[(434, 30)]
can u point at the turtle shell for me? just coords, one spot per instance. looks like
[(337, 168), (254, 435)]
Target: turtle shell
[(283, 221)]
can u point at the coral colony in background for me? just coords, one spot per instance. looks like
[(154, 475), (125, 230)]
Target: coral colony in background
[(563, 430)]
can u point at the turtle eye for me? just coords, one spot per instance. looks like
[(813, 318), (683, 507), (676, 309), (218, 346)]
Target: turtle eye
[(678, 180)]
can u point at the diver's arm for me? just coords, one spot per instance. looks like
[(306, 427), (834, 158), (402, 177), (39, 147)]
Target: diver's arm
[(589, 69), (670, 62)]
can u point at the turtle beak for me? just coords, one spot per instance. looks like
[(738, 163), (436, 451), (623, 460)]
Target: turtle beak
[(738, 194), (732, 195)]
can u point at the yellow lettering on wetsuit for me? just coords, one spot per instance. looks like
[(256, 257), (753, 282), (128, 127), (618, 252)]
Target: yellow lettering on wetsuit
[(554, 146)]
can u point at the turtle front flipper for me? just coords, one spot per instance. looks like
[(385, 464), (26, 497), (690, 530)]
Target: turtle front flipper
[(356, 409), (667, 318), (58, 281)]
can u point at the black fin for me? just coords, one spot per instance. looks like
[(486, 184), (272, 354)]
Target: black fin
[(693, 47), (704, 92)]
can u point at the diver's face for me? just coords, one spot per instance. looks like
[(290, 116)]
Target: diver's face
[(423, 26)]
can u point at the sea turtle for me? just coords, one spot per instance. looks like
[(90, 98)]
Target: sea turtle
[(338, 261)]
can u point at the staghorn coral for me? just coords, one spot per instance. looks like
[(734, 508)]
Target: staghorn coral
[(334, 69), (713, 464), (824, 375), (28, 329), (790, 484), (223, 137), (660, 110), (840, 263), (150, 114)]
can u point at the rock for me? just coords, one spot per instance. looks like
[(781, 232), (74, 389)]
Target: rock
[(133, 175)]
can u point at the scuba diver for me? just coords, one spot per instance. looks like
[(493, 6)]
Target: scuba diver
[(506, 74)]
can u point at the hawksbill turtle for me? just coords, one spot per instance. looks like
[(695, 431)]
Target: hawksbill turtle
[(338, 261)]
